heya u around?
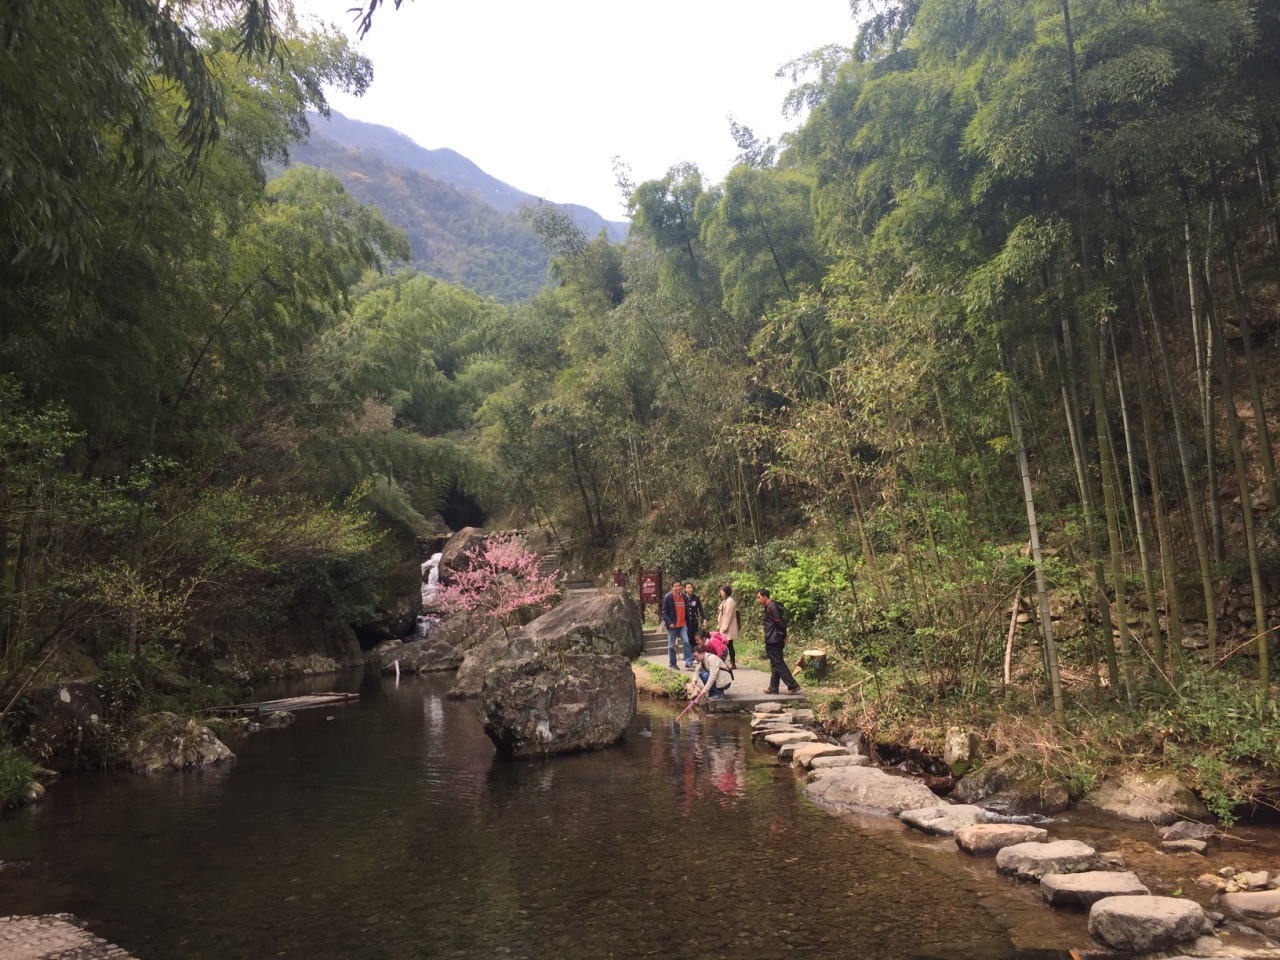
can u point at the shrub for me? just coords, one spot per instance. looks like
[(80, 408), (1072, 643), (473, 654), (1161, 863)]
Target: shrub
[(17, 774)]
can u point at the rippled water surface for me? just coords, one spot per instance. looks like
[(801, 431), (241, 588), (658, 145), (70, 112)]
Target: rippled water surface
[(392, 831)]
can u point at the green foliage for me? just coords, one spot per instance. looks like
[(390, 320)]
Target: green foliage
[(673, 682), (17, 774), (805, 587), (683, 555)]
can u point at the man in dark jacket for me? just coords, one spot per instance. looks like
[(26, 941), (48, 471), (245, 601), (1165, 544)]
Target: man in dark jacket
[(775, 642), (674, 612)]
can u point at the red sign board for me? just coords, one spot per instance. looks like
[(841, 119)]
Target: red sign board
[(651, 585)]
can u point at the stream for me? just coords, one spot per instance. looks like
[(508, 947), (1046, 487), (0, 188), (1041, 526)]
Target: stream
[(388, 828)]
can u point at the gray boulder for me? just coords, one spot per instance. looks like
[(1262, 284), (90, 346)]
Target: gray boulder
[(1188, 830), (1253, 905), (174, 743), (1086, 889), (1144, 924), (1031, 861), (943, 820), (420, 656), (868, 789), (558, 703), (606, 623), (1156, 799), (1013, 785), (453, 557), (960, 750), (986, 839), (790, 736)]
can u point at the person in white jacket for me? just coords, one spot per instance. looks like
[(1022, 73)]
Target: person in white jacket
[(712, 673), (727, 621)]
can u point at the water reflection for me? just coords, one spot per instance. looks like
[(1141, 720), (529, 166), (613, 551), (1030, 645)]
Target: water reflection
[(394, 832)]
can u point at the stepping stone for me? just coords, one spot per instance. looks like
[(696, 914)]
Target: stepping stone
[(1031, 861), (1253, 905), (787, 749), (1187, 830), (869, 790), (1184, 846), (1086, 889), (987, 839), (848, 760), (804, 754), (790, 736), (776, 720), (945, 819), (776, 728), (1144, 924), (802, 716), (768, 708)]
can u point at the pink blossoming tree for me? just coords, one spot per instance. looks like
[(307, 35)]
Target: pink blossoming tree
[(501, 583)]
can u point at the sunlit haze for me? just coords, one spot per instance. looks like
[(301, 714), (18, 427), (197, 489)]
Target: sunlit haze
[(544, 95)]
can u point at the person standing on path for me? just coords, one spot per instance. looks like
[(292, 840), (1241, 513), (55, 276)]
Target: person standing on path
[(727, 621), (694, 614), (775, 642), (675, 619)]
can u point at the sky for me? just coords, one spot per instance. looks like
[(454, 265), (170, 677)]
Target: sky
[(543, 95)]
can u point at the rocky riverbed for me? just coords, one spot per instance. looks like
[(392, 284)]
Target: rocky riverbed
[(1135, 887)]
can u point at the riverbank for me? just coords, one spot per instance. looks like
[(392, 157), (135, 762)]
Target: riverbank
[(1091, 853)]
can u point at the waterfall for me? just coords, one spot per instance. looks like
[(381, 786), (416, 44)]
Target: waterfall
[(430, 587)]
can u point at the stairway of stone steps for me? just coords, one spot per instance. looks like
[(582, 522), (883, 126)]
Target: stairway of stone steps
[(655, 642)]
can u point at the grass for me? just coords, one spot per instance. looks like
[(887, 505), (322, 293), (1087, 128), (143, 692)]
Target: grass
[(17, 774), (660, 681)]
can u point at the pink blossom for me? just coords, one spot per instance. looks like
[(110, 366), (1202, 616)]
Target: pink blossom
[(501, 581)]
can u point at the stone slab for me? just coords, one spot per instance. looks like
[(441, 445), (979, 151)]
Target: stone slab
[(1144, 924), (790, 736), (869, 790), (1187, 830), (944, 819), (987, 839), (849, 760), (804, 754), (1086, 889), (1184, 846), (1031, 861)]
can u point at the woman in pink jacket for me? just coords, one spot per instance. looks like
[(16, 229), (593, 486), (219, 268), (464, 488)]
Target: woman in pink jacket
[(727, 621)]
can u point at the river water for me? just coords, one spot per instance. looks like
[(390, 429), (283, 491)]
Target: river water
[(388, 829)]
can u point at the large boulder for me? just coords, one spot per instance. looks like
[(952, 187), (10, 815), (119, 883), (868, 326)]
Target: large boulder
[(1253, 905), (175, 743), (557, 703), (606, 623), (60, 721), (960, 751), (870, 790), (453, 558), (1153, 798), (1141, 924), (1012, 785), (443, 648), (1031, 861), (428, 655)]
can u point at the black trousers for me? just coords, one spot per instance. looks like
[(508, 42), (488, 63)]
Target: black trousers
[(778, 668)]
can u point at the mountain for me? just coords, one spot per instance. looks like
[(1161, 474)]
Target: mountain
[(453, 234), (449, 166)]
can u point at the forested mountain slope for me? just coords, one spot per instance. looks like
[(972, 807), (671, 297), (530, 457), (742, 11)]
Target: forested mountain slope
[(453, 234)]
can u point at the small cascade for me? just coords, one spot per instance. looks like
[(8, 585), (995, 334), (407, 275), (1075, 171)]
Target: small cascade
[(430, 587)]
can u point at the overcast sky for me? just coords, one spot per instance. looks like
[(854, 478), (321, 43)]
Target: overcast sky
[(543, 95)]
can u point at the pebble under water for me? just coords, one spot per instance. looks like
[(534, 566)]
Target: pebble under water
[(393, 831)]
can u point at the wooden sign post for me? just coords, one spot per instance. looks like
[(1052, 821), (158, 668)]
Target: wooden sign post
[(650, 587)]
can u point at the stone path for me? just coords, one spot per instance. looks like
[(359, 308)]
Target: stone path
[(1122, 913), (53, 937), (747, 690)]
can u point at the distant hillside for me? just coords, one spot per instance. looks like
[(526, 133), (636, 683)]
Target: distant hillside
[(449, 166), (453, 235)]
